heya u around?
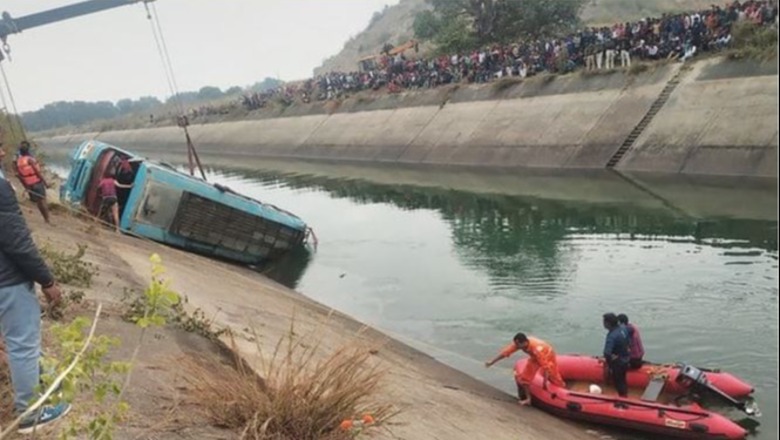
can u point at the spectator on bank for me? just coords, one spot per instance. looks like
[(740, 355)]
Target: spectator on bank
[(21, 267), (672, 36)]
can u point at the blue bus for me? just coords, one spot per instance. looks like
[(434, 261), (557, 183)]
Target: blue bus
[(173, 208)]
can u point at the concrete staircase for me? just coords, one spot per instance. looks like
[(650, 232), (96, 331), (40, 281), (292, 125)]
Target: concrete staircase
[(654, 109)]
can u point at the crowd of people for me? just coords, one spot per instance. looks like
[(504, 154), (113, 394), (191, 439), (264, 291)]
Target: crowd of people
[(671, 36)]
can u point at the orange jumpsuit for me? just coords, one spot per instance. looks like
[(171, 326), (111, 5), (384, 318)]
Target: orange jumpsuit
[(540, 355)]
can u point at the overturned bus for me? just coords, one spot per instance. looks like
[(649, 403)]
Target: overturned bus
[(170, 207)]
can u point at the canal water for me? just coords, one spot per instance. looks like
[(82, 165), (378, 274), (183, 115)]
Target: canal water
[(457, 274)]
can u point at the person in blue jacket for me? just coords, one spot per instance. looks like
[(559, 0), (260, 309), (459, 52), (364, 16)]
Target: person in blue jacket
[(616, 352)]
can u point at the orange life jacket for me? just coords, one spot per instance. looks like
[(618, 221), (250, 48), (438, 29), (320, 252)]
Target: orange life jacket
[(27, 172)]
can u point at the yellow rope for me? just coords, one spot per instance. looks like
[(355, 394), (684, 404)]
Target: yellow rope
[(34, 407)]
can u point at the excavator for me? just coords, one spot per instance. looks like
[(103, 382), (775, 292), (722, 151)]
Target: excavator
[(371, 62)]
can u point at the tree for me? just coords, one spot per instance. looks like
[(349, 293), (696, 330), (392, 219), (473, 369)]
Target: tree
[(267, 84), (235, 90), (209, 93), (147, 102), (452, 23), (183, 97), (427, 25), (125, 105), (540, 19)]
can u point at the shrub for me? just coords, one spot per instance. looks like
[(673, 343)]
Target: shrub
[(70, 269), (297, 396), (753, 42)]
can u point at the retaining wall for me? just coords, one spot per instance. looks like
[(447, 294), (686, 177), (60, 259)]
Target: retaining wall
[(721, 120)]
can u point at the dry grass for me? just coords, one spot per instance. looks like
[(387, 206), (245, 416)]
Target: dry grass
[(299, 394)]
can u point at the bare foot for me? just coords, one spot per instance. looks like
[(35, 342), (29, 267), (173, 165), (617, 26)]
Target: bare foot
[(525, 402)]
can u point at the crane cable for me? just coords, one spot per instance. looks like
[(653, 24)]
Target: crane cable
[(16, 119), (162, 50)]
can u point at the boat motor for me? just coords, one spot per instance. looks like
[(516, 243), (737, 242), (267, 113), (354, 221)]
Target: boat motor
[(696, 380)]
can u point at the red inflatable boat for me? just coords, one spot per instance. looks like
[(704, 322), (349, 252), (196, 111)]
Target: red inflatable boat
[(654, 404)]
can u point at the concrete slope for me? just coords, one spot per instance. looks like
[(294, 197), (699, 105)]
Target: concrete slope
[(713, 123), (720, 120)]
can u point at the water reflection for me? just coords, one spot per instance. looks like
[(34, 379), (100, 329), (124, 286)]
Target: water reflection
[(522, 241), (289, 269)]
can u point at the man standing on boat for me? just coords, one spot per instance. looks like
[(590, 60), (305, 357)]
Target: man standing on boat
[(636, 349), (616, 354), (29, 173), (540, 355)]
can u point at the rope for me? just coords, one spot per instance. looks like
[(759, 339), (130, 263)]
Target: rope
[(658, 372), (170, 77), (156, 21), (16, 118), (34, 407), (166, 71)]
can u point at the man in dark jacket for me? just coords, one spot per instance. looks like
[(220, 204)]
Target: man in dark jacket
[(616, 353), (20, 313)]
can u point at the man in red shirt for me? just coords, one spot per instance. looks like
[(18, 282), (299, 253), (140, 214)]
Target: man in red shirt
[(540, 356)]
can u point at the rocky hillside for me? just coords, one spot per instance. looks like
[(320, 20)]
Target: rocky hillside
[(394, 24)]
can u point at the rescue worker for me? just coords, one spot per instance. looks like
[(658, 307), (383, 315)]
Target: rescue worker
[(29, 173), (108, 194), (125, 176), (636, 349), (540, 356)]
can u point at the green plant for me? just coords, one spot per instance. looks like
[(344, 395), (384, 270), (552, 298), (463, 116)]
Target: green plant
[(70, 269), (158, 299), (195, 322), (173, 312), (752, 41), (93, 373), (70, 298)]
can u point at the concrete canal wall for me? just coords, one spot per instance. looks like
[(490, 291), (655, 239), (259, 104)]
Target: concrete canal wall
[(714, 117)]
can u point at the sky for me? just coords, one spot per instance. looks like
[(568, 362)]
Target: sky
[(111, 55)]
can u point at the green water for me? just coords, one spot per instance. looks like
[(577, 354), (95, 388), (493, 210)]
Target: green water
[(457, 273)]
